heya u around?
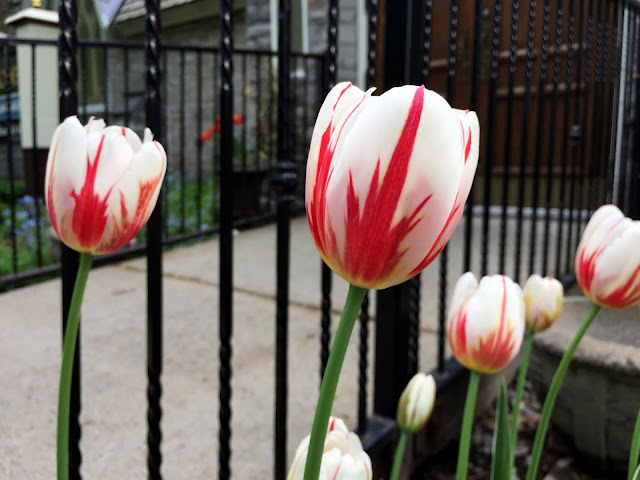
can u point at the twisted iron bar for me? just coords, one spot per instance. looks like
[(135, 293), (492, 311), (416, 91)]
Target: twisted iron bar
[(154, 432), (154, 251), (332, 46), (372, 6), (68, 67), (325, 319), (525, 137), (507, 150), (451, 73), (332, 68), (493, 83), (226, 242), (68, 77), (426, 46), (552, 140), (414, 324), (362, 377), (544, 62), (574, 158)]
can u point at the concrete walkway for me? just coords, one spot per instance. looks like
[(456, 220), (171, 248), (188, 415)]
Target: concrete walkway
[(113, 356)]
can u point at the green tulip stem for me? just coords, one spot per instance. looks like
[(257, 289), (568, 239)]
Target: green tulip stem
[(550, 400), (522, 376), (66, 369), (330, 381), (397, 460), (467, 425)]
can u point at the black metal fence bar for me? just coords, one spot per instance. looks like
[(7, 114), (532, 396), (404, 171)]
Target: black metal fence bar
[(68, 76), (190, 200), (284, 179), (513, 47), (226, 239), (572, 104), (330, 81), (544, 63), (559, 157), (475, 86), (34, 156), (372, 44), (491, 119), (154, 251), (524, 145), (443, 270)]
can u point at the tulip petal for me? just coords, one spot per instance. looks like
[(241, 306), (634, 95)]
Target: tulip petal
[(395, 175), (116, 152), (466, 285), (99, 191), (66, 169), (607, 260), (134, 196), (543, 302), (617, 270), (485, 333)]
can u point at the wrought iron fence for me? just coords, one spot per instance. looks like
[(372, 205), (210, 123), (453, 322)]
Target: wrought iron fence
[(111, 86), (555, 85)]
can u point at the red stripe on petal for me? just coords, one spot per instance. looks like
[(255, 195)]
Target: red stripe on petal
[(438, 245), (316, 208), (496, 350), (457, 334), (373, 250), (335, 475), (90, 212), (130, 228), (626, 295), (586, 268), (467, 148)]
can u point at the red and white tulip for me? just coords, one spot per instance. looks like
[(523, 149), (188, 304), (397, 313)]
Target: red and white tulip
[(102, 184), (608, 259), (543, 302), (486, 322), (387, 178), (343, 457)]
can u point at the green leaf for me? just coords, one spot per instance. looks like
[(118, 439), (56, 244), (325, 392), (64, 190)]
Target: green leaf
[(501, 451), (635, 450), (636, 476)]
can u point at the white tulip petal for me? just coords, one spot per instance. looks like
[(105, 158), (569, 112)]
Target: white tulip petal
[(130, 136), (618, 262), (113, 156), (466, 285), (434, 167), (67, 163)]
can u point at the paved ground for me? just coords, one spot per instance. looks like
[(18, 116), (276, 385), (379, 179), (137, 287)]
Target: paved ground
[(114, 379)]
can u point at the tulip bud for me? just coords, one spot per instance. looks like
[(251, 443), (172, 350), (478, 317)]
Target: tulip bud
[(386, 181), (486, 322), (416, 403), (543, 302), (101, 184), (608, 259), (343, 457)]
